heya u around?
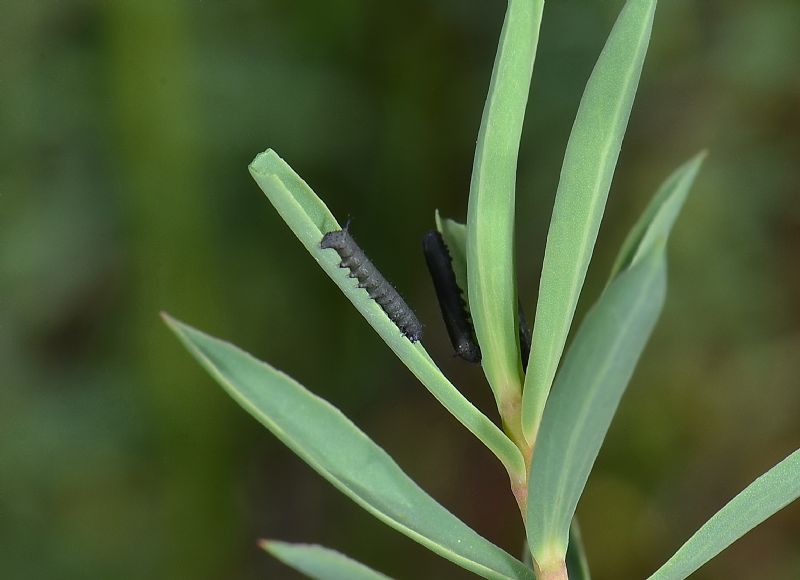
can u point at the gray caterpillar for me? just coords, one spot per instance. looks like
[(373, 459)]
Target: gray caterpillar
[(369, 278)]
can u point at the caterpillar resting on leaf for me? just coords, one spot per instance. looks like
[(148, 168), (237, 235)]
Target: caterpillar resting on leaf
[(450, 296), (369, 278)]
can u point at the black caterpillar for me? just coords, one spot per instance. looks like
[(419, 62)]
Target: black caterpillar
[(454, 308), (369, 278), (525, 338), (451, 298)]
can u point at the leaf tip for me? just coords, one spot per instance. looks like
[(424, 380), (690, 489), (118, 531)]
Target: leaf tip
[(261, 163), (167, 319), (181, 330), (691, 168), (701, 156), (437, 218)]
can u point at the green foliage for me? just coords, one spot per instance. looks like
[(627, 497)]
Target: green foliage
[(588, 389), (589, 164), (597, 370), (490, 216), (454, 235), (659, 217), (551, 439), (320, 563), (345, 456), (309, 219), (768, 494), (577, 563)]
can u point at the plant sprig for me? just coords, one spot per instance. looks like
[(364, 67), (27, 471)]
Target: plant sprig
[(549, 438)]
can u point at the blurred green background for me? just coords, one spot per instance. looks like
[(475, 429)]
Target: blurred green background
[(126, 127)]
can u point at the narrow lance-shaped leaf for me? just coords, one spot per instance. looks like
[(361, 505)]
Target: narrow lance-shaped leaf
[(767, 495), (588, 389), (333, 446), (310, 219), (586, 175), (320, 563), (490, 216), (648, 235)]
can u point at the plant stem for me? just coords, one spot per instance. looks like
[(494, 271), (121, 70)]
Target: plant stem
[(553, 570), (511, 415)]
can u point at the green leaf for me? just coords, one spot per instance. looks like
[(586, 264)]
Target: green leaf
[(310, 219), (658, 218), (577, 564), (767, 495), (454, 235), (588, 389), (490, 216), (586, 175), (319, 562), (333, 446)]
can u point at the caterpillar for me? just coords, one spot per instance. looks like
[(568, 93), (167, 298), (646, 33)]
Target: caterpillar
[(525, 338), (369, 278), (454, 308), (450, 297)]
